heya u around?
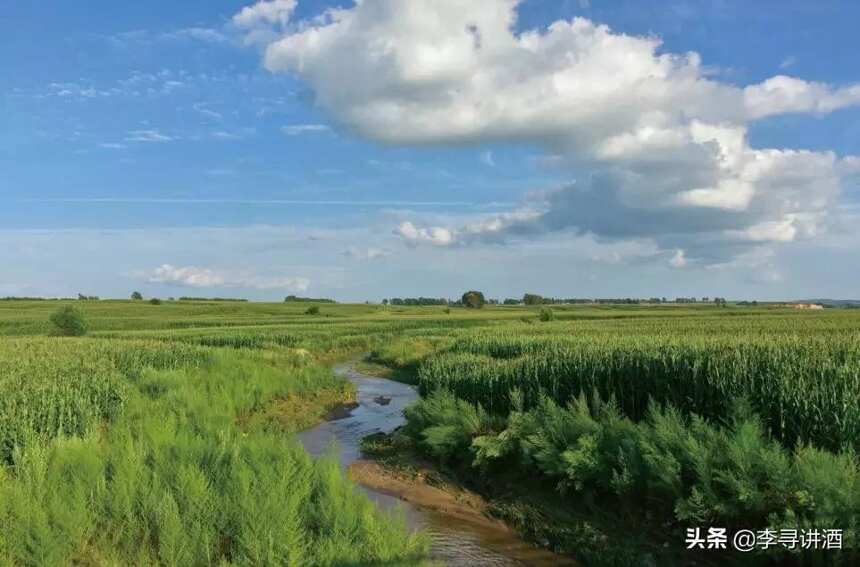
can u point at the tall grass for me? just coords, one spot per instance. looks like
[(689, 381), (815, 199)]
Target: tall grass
[(174, 480)]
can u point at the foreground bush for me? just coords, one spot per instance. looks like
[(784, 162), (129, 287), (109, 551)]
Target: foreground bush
[(685, 470), (69, 322)]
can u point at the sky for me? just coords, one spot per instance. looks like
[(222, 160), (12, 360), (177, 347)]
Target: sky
[(393, 148)]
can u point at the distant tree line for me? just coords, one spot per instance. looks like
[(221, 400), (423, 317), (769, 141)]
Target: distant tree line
[(535, 299), (412, 301), (82, 297), (213, 299), (296, 299), (11, 298)]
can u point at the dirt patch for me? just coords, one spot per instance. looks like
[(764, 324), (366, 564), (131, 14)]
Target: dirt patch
[(414, 488), (423, 487), (340, 411)]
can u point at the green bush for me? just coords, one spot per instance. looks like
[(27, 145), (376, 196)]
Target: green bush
[(546, 315), (69, 322), (155, 301), (313, 310), (684, 469)]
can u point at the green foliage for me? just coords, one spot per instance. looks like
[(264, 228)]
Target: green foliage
[(174, 480), (69, 322), (685, 470), (532, 299), (473, 299), (296, 299), (136, 296), (142, 444), (313, 310), (806, 389), (155, 301), (546, 315)]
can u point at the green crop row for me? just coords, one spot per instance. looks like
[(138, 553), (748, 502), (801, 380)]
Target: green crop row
[(806, 389)]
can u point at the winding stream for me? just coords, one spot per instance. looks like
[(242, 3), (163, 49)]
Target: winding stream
[(453, 541)]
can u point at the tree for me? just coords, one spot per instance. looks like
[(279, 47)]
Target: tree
[(473, 299), (385, 302), (532, 299), (69, 322), (136, 296), (313, 310), (155, 301)]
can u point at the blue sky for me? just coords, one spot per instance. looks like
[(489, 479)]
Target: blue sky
[(195, 149)]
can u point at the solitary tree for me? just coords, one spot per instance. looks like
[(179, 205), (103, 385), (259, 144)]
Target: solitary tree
[(473, 299), (69, 322), (136, 295)]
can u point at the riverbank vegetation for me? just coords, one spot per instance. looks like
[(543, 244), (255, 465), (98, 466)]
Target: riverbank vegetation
[(164, 435)]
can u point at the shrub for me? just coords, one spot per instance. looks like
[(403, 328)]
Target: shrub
[(155, 301), (683, 469), (136, 296), (313, 310), (69, 322), (546, 315)]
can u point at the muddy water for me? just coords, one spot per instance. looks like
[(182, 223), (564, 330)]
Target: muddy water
[(454, 542)]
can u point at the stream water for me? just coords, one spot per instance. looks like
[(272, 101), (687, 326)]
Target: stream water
[(454, 542)]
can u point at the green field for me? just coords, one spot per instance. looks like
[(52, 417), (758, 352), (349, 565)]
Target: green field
[(164, 435)]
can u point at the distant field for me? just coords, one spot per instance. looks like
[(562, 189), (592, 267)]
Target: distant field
[(161, 410)]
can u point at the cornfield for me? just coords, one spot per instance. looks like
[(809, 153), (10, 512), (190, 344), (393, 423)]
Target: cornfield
[(805, 388)]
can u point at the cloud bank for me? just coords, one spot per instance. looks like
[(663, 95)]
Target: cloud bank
[(192, 276), (659, 146)]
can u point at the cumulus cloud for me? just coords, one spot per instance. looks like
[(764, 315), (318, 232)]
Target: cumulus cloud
[(782, 95), (192, 276), (437, 236), (269, 12), (659, 145)]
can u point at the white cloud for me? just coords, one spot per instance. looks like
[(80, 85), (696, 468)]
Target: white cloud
[(437, 236), (204, 110), (205, 35), (850, 165), (192, 276), (783, 94), (148, 136), (660, 145), (225, 135), (487, 159), (788, 62), (189, 276), (297, 129), (268, 12), (112, 146)]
